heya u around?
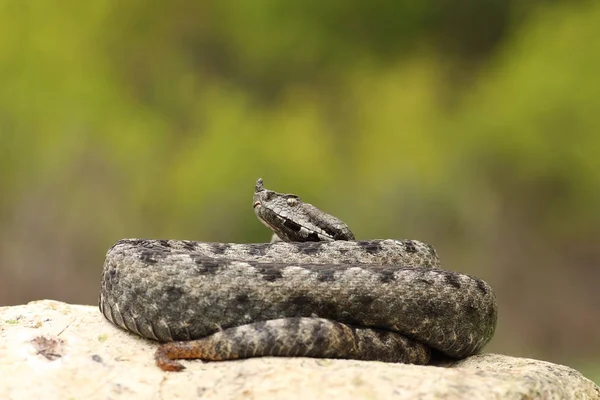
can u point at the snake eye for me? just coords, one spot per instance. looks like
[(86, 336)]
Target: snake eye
[(269, 195), (292, 201)]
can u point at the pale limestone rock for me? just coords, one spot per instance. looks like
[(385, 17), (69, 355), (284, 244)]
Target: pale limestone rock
[(53, 350)]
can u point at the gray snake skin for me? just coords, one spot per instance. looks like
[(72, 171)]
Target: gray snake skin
[(316, 293)]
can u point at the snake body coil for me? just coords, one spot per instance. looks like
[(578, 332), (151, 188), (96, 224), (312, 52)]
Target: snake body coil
[(377, 300)]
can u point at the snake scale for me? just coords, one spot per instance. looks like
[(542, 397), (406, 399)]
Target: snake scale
[(316, 292)]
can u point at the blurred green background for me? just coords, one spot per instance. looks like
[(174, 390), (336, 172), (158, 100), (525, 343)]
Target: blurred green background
[(472, 125)]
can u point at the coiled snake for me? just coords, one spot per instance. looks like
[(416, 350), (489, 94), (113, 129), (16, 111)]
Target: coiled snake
[(316, 293)]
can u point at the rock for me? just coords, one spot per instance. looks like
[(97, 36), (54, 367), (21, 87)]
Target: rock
[(54, 350)]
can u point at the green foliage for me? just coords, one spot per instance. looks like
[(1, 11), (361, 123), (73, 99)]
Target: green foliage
[(534, 114)]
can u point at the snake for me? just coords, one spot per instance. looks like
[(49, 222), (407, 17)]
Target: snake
[(313, 291)]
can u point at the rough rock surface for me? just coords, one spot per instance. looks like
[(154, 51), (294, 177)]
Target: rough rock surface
[(54, 350)]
